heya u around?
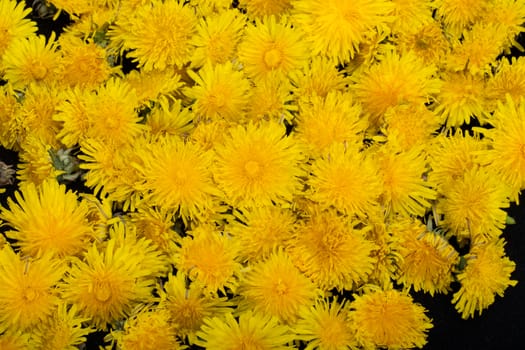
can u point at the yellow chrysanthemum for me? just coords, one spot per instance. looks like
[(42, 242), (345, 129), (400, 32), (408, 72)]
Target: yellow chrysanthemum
[(209, 257), (46, 218), (251, 331), (473, 205), (153, 85), (28, 291), (331, 251), (265, 8), (147, 330), (346, 179), (258, 165), (31, 60), (388, 319), (336, 28), (14, 25), (427, 259), (62, 330), (326, 121), (220, 91), (108, 283), (158, 33), (272, 45), (276, 287), (404, 189), (326, 326), (486, 274), (177, 176), (395, 80), (507, 142), (261, 230), (509, 78), (189, 305), (217, 38)]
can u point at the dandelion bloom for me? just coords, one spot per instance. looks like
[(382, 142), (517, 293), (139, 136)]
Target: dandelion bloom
[(262, 8), (486, 274), (508, 78), (28, 292), (326, 325), (388, 318), (251, 331), (16, 340), (258, 165), (47, 218), (336, 28), (13, 23), (458, 15), (276, 287), (156, 85)]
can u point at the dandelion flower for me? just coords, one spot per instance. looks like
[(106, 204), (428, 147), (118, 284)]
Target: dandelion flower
[(458, 15), (28, 291), (411, 14), (36, 165), (346, 179), (272, 45), (326, 326), (509, 14), (261, 230), (8, 121), (258, 165), (334, 119), (509, 78), (507, 142), (15, 340), (147, 330), (31, 60), (405, 191), (170, 119), (72, 114), (220, 91), (333, 253), (14, 25), (276, 287), (189, 305), (336, 28), (210, 258), (177, 176), (63, 330), (159, 34), (473, 205), (154, 85), (217, 38), (389, 319), (428, 42), (395, 80), (427, 258), (46, 218), (265, 8), (486, 274), (251, 331)]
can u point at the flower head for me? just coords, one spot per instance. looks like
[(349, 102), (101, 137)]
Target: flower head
[(265, 8), (13, 23)]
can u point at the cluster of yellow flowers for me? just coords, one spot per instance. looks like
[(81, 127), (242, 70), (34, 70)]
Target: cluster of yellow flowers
[(274, 174)]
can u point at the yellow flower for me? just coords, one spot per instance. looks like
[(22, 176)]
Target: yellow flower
[(220, 91), (154, 85), (189, 305), (427, 259), (28, 291), (459, 15), (63, 330), (486, 274), (258, 165), (177, 176), (209, 257), (395, 80), (473, 204), (507, 142), (272, 45), (31, 60), (170, 119), (346, 179), (147, 330), (48, 219), (72, 113), (326, 121), (390, 319), (14, 25), (326, 326), (331, 251), (36, 165), (411, 14), (15, 340), (217, 38), (404, 189), (109, 282), (276, 287), (158, 33), (261, 230), (508, 78), (265, 8), (9, 127), (251, 331), (428, 42), (509, 14), (336, 28)]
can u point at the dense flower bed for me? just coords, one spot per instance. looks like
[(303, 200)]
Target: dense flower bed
[(256, 174)]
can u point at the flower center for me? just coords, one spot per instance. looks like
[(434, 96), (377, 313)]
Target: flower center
[(38, 70), (272, 58), (252, 168), (102, 292), (30, 294)]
